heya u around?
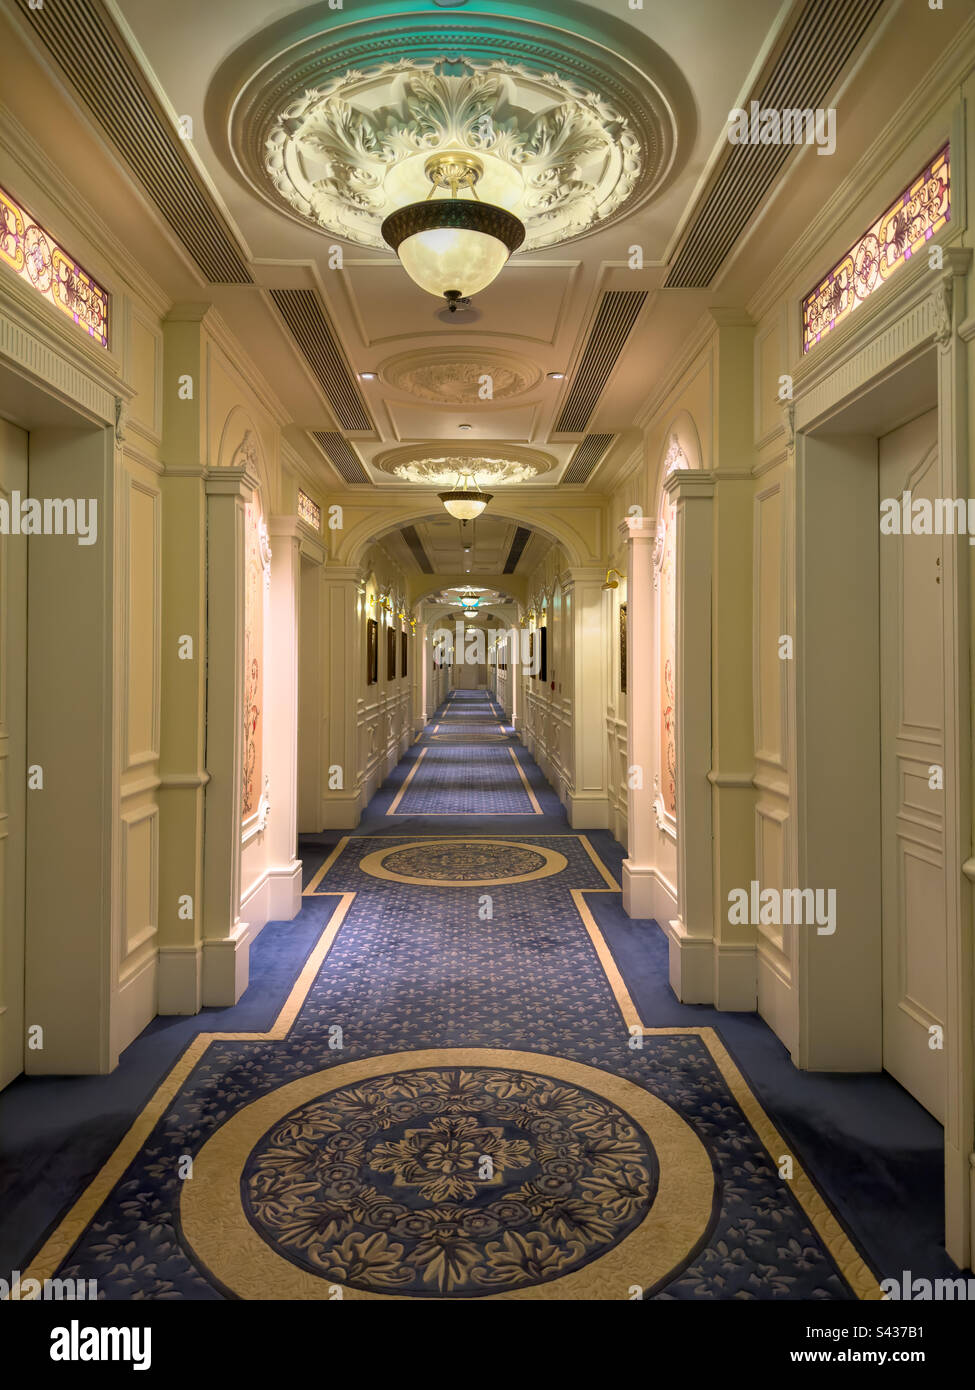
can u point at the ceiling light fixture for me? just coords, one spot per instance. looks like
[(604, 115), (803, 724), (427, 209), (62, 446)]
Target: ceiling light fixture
[(367, 376), (452, 247), (466, 502), (556, 376)]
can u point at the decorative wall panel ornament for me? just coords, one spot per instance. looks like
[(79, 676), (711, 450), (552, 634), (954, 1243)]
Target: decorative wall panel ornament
[(622, 648), (36, 257), (898, 234), (668, 657), (372, 651), (461, 378), (245, 455), (309, 512), (390, 654), (257, 576), (334, 127)]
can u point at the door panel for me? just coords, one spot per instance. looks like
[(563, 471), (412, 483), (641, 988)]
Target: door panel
[(912, 740), (13, 761)]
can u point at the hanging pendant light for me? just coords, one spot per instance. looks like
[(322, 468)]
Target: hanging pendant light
[(450, 246), (467, 502)]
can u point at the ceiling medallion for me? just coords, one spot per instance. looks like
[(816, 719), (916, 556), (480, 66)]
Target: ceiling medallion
[(459, 376), (355, 154), (445, 472)]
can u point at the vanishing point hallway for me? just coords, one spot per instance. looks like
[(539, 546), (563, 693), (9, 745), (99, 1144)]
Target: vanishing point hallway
[(453, 1076)]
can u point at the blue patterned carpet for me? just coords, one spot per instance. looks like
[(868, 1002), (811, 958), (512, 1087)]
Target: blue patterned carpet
[(449, 1104)]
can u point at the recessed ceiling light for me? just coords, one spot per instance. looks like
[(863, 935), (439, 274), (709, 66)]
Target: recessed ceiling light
[(367, 376), (465, 427), (556, 376)]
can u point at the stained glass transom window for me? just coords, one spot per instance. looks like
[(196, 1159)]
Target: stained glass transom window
[(37, 258), (911, 220), (309, 511)]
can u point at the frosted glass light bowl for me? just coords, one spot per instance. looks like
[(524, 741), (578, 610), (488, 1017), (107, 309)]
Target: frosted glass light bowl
[(453, 248)]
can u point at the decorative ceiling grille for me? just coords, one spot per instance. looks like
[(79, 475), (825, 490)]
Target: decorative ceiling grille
[(303, 312), (412, 538), (808, 66), (93, 56), (343, 459), (521, 538), (586, 457), (618, 312)]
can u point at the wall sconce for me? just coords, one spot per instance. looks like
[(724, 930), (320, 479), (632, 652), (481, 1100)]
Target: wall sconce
[(531, 615), (613, 583)]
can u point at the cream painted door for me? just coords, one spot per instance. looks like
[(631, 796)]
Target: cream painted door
[(912, 744), (13, 761)]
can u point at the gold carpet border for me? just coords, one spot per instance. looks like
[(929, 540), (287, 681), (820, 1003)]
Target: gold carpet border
[(45, 1264), (79, 1216), (394, 804), (215, 1224), (844, 1253), (555, 863)]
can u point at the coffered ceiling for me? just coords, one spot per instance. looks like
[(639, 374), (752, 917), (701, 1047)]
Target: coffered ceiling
[(605, 126)]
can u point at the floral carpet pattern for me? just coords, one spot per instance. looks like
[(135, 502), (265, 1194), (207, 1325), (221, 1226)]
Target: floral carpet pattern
[(452, 1107), (461, 861), (450, 1181)]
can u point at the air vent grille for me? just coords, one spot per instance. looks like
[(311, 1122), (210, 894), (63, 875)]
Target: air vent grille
[(344, 460), (817, 51), (412, 538), (305, 316), (521, 538), (93, 56), (618, 312), (588, 454)]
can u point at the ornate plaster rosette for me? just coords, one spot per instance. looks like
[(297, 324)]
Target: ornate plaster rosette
[(334, 128)]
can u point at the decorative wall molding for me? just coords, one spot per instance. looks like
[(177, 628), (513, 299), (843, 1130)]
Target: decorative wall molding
[(46, 363), (911, 316)]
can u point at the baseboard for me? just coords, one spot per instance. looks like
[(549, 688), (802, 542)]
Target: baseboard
[(774, 1000), (587, 812), (735, 976), (343, 811), (134, 1005), (226, 966), (274, 897), (639, 884), (691, 964), (284, 892), (180, 979)]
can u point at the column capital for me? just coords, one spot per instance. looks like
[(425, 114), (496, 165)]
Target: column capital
[(343, 574), (285, 527), (686, 484), (582, 574), (230, 482), (638, 528)]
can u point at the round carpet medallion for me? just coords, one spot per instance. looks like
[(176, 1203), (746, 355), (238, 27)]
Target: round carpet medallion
[(461, 1173)]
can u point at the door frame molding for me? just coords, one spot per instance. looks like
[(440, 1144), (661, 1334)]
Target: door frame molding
[(919, 309)]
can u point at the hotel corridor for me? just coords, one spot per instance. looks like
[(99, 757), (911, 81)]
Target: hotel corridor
[(459, 1073)]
